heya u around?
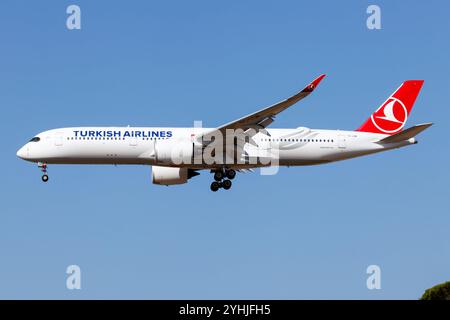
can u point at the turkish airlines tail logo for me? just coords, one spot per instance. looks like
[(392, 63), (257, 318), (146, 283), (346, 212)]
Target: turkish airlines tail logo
[(388, 112), (391, 116)]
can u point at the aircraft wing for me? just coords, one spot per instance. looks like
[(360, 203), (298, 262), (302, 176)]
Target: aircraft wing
[(262, 118)]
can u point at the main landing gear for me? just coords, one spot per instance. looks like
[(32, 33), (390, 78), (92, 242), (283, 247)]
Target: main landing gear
[(43, 167), (222, 179)]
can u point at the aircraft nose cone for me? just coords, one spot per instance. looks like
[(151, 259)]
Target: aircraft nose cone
[(22, 153)]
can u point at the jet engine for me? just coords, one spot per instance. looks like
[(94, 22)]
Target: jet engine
[(171, 175)]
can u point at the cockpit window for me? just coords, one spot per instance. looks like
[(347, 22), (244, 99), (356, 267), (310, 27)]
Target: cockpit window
[(35, 139)]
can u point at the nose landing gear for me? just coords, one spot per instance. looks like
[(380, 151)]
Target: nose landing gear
[(220, 181), (43, 167)]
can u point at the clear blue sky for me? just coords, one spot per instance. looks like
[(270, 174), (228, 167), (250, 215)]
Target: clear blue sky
[(305, 233)]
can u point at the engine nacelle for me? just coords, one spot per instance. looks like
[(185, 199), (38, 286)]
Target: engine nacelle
[(174, 152), (170, 175)]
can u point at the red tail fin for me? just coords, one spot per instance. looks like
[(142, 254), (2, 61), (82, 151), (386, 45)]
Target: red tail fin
[(391, 116)]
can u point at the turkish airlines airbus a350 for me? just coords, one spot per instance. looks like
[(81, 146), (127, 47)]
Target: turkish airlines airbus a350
[(178, 154)]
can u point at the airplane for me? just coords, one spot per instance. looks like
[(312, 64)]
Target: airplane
[(178, 154)]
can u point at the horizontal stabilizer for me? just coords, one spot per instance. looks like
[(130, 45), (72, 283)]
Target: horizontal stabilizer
[(406, 134)]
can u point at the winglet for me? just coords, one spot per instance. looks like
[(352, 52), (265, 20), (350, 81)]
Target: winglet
[(310, 87)]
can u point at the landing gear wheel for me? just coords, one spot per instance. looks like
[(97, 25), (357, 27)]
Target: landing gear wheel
[(218, 175), (215, 186), (231, 174), (43, 167), (226, 184)]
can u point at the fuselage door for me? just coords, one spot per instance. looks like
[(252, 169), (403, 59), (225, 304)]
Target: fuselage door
[(58, 139), (342, 141)]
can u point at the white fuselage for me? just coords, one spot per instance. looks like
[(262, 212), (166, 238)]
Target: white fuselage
[(139, 145)]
